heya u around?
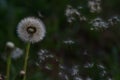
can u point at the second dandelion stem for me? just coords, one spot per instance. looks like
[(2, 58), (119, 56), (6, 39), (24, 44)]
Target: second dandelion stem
[(26, 60), (8, 66)]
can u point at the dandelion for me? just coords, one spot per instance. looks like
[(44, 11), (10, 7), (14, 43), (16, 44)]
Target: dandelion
[(9, 48), (31, 30), (16, 53)]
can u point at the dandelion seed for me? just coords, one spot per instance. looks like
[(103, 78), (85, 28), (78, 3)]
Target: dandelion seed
[(61, 66), (43, 55), (63, 76), (69, 41), (80, 7), (94, 5), (103, 73), (88, 65), (78, 78), (114, 20), (70, 11), (98, 23), (71, 14), (40, 15), (101, 66), (48, 67), (75, 70), (31, 30)]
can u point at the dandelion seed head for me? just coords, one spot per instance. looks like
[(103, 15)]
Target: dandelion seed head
[(16, 53), (31, 29)]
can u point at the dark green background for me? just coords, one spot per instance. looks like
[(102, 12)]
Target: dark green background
[(103, 46)]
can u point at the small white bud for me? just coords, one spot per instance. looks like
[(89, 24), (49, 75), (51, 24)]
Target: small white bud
[(10, 44), (22, 72)]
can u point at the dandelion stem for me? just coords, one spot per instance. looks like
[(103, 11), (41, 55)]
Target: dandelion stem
[(8, 66), (26, 59)]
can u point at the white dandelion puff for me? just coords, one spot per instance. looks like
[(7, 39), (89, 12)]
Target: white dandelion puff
[(31, 29), (16, 53)]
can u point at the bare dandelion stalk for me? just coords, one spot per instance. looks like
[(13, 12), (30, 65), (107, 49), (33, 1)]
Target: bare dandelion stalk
[(8, 66), (26, 59)]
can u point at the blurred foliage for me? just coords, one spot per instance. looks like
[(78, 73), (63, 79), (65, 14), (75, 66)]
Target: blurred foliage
[(102, 46)]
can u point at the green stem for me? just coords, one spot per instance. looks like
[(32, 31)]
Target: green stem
[(8, 66), (26, 59)]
